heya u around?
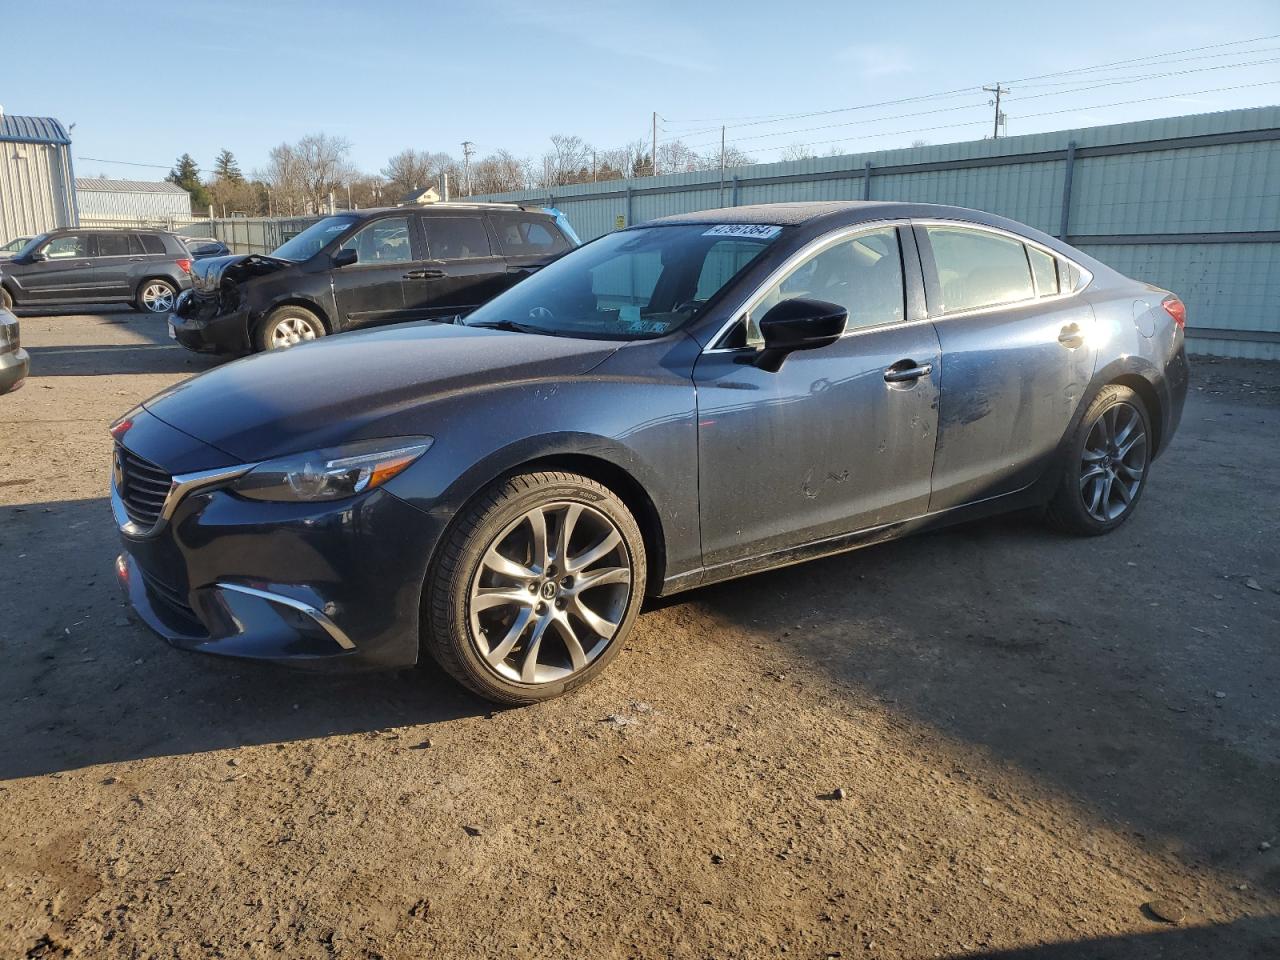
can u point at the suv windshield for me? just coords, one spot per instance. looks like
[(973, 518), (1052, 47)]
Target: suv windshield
[(311, 240), (629, 285)]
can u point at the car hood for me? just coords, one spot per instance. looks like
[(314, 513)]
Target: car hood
[(207, 273), (360, 385)]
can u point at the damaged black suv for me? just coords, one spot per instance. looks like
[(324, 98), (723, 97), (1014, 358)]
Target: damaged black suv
[(365, 268)]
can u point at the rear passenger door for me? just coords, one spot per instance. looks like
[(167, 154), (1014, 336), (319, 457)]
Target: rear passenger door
[(462, 271), (527, 241), (114, 264), (1017, 355)]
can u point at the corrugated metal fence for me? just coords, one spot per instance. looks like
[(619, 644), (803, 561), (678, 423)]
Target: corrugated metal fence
[(1190, 203)]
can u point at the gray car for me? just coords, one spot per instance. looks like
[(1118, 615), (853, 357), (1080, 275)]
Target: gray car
[(12, 248), (145, 268), (14, 362), (671, 405)]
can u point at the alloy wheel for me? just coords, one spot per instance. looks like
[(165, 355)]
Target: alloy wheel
[(157, 297), (549, 593), (1114, 462), (289, 331)]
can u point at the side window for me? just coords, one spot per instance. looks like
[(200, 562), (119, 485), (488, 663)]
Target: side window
[(1045, 269), (66, 248), (383, 241), (456, 238), (135, 246), (113, 245), (525, 236), (151, 243), (979, 269), (862, 274)]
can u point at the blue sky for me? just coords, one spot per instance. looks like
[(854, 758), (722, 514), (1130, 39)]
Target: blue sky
[(508, 73)]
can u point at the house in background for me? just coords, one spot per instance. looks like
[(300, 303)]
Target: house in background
[(37, 182), (104, 202)]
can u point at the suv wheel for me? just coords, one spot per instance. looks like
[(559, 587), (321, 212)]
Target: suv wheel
[(536, 587), (156, 296), (1106, 466), (6, 301), (286, 326)]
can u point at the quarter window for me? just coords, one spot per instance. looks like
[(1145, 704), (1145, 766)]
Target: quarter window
[(524, 236), (383, 241), (456, 238), (862, 274), (979, 269), (1045, 268), (151, 243)]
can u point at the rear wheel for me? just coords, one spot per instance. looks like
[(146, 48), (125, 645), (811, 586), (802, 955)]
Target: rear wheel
[(1107, 464), (6, 301), (536, 587), (156, 295), (287, 326)]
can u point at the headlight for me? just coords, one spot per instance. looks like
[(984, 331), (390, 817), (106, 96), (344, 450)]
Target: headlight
[(333, 473)]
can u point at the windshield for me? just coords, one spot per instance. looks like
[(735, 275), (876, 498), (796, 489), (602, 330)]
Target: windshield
[(629, 285), (31, 245), (13, 246), (311, 240)]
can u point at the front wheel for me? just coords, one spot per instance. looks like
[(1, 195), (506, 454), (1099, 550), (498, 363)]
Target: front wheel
[(1106, 467), (286, 327), (156, 296), (536, 587), (6, 301)]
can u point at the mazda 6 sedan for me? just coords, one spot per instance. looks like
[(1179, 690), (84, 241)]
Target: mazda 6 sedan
[(678, 403)]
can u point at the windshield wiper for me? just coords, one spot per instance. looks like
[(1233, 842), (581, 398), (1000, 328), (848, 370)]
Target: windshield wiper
[(510, 325)]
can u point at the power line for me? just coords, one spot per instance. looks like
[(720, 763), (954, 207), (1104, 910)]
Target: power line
[(1028, 116), (129, 163), (774, 118), (1035, 96)]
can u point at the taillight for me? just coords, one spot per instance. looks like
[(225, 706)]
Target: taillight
[(184, 265), (1176, 309)]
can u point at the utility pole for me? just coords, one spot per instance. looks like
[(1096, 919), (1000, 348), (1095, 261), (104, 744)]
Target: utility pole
[(653, 162), (468, 148), (999, 120), (722, 166)]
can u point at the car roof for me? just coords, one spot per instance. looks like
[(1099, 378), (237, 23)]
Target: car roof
[(445, 207), (64, 231)]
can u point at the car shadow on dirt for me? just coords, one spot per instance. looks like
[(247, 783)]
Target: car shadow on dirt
[(84, 683), (1069, 661), (1200, 942)]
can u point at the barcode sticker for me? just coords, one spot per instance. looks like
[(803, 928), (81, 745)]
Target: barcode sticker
[(756, 231)]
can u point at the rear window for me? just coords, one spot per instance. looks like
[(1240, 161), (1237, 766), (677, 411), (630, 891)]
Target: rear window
[(456, 238), (113, 245), (1045, 269), (526, 236), (151, 243)]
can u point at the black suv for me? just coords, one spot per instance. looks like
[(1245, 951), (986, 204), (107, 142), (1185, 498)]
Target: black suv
[(364, 268), (146, 268)]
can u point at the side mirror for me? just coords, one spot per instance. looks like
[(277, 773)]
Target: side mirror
[(36, 257), (798, 324), (345, 257)]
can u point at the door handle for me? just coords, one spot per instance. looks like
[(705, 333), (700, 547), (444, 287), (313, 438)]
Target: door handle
[(907, 371), (136, 259), (1071, 336), (424, 275)]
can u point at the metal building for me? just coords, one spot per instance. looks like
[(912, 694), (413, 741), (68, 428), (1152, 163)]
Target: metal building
[(105, 202), (1189, 203), (37, 183)]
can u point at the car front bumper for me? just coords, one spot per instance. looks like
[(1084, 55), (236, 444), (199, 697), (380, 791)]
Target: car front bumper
[(313, 584), (14, 367), (227, 333)]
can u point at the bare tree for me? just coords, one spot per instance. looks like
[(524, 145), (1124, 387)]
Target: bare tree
[(568, 161), (321, 161), (282, 176), (798, 151), (500, 172)]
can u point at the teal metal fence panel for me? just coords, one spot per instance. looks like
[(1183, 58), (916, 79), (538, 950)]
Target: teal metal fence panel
[(1190, 203)]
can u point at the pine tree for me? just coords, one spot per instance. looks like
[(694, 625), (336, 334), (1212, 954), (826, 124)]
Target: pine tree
[(226, 168), (187, 175)]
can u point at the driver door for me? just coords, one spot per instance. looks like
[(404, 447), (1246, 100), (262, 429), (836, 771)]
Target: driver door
[(834, 441), (370, 291)]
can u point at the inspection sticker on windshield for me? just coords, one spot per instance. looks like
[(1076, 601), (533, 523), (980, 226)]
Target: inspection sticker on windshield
[(756, 231)]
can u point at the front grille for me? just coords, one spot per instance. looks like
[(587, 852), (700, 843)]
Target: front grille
[(143, 487)]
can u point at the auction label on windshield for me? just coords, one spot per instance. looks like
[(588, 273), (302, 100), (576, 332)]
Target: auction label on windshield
[(756, 231)]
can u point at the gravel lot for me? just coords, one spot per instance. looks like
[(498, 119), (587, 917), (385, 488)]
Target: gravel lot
[(1036, 739)]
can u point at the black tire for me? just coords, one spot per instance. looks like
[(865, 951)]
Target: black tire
[(264, 335), (447, 622), (6, 301), (156, 296), (1069, 509)]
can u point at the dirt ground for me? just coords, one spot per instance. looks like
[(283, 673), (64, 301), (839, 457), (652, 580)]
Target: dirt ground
[(1036, 737)]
